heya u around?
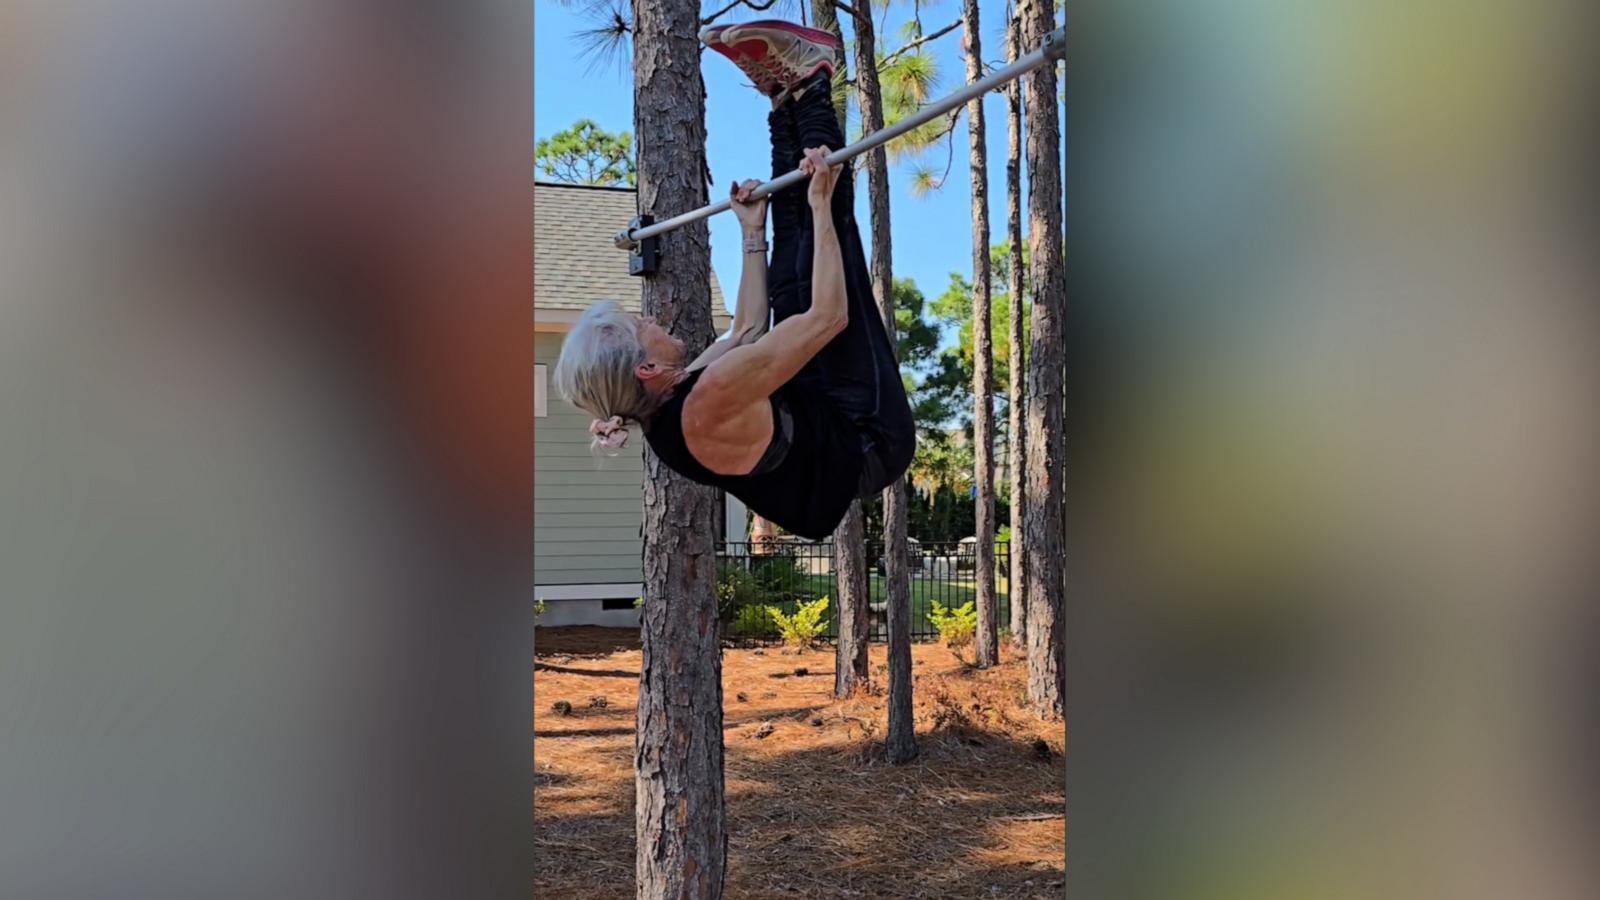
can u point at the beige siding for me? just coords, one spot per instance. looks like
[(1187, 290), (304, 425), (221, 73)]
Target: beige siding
[(586, 509)]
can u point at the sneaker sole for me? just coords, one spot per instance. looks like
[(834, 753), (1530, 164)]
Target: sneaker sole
[(811, 34), (757, 48), (712, 36)]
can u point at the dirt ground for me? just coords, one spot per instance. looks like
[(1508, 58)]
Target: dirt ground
[(813, 810)]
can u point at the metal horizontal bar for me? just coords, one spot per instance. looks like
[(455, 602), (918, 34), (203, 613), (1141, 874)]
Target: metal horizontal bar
[(1053, 49)]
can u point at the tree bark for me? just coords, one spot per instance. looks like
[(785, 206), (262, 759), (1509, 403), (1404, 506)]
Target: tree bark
[(855, 621), (849, 539), (1018, 405), (901, 743), (680, 823), (987, 652), (1046, 410), (827, 19)]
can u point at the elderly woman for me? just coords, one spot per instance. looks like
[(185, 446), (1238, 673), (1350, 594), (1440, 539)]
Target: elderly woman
[(796, 421)]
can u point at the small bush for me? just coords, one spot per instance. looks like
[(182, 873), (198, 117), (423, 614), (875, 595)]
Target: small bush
[(538, 608), (956, 626), (737, 589), (776, 572), (755, 622), (802, 628)]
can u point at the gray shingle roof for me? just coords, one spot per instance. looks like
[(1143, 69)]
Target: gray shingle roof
[(574, 260)]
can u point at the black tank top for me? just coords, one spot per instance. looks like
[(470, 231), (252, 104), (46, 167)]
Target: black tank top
[(808, 476)]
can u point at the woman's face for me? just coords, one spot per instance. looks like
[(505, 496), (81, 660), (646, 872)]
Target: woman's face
[(659, 347)]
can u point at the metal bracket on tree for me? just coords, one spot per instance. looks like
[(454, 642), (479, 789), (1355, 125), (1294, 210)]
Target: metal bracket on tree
[(645, 254)]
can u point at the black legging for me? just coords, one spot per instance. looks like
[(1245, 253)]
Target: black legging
[(857, 370)]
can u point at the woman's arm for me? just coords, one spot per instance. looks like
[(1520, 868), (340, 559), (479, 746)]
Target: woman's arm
[(750, 312), (753, 372)]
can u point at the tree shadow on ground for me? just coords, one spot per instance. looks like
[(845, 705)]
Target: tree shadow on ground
[(970, 817), (584, 641), (582, 733), (825, 674), (729, 722), (597, 673)]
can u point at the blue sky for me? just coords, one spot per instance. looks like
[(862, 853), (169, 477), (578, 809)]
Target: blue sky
[(932, 234)]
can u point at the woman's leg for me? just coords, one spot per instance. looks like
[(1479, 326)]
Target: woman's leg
[(859, 369), (785, 209)]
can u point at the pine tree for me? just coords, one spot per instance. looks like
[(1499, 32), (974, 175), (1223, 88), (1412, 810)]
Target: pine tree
[(1045, 538), (680, 817), (987, 637)]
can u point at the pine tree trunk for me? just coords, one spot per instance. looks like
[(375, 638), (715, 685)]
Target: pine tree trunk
[(849, 539), (680, 823), (827, 19), (1046, 410), (901, 744), (854, 617), (1017, 362), (987, 652)]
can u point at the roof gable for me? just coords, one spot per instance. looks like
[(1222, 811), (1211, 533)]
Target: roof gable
[(575, 257)]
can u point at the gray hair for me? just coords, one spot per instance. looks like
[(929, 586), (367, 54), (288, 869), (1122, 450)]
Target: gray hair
[(599, 358)]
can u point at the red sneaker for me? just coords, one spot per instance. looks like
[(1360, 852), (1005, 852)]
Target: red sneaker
[(777, 56)]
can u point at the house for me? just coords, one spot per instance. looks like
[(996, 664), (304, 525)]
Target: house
[(587, 510)]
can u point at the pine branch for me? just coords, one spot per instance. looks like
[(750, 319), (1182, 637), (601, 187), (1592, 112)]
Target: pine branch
[(950, 147), (918, 42), (606, 42), (949, 135), (735, 5)]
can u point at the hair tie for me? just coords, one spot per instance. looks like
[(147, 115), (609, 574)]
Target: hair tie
[(610, 433)]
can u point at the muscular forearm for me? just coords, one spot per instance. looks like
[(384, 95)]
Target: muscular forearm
[(750, 314), (827, 269), (742, 375)]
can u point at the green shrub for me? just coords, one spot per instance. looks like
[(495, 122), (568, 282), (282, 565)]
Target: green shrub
[(754, 622), (737, 589), (802, 628), (776, 572), (538, 608), (956, 626)]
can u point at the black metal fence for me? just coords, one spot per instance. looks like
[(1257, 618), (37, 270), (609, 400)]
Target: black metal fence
[(784, 575)]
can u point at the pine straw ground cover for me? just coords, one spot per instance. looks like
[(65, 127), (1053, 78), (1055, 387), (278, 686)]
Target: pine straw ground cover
[(813, 809)]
